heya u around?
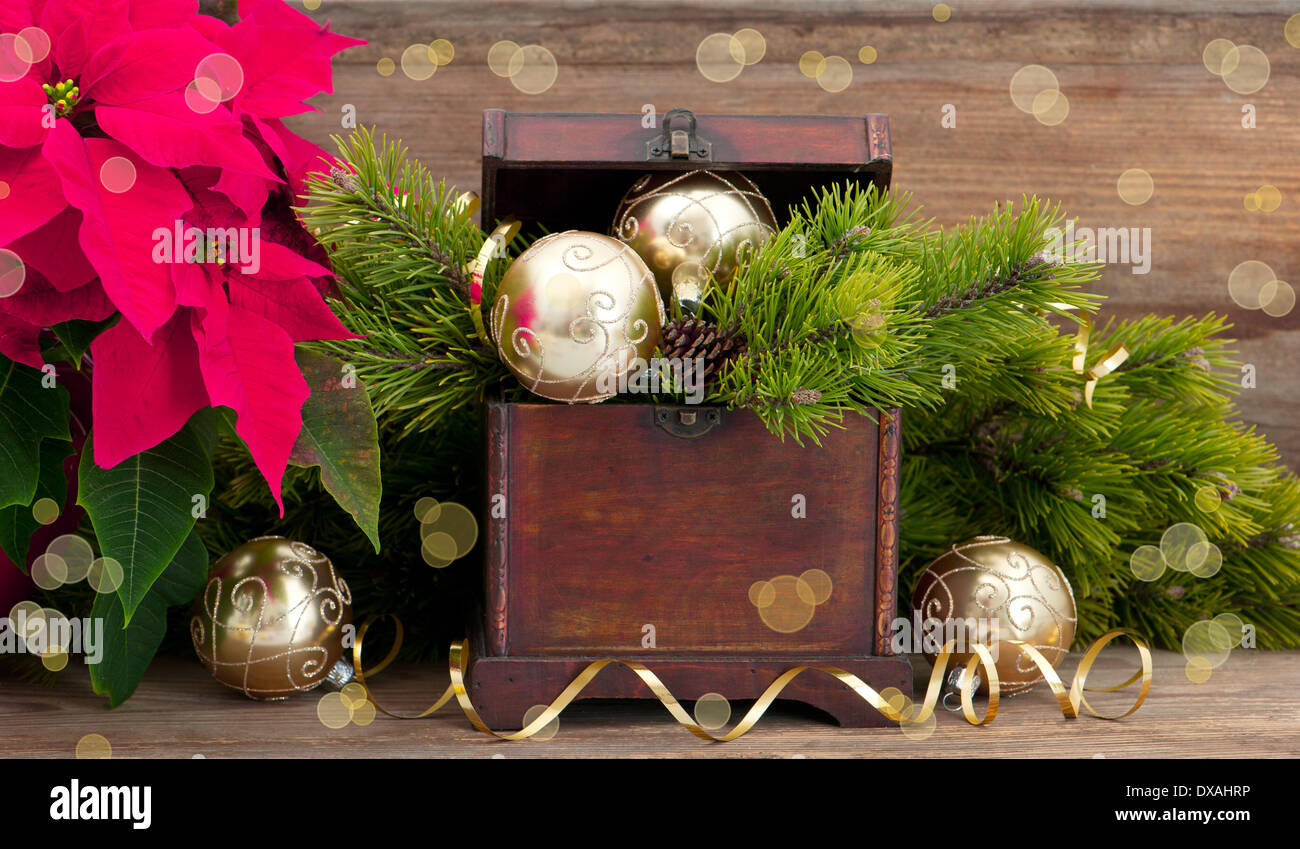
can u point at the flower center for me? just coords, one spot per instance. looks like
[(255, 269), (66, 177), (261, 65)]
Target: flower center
[(64, 96)]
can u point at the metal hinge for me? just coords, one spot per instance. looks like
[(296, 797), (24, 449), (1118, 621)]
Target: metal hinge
[(687, 422), (678, 143)]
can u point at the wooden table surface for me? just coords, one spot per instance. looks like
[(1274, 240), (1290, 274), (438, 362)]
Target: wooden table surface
[(1249, 709), (1139, 97)]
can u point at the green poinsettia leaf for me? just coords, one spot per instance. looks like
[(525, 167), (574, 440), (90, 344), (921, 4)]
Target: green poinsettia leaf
[(16, 521), (29, 412), (143, 508), (75, 337), (129, 648), (340, 436)]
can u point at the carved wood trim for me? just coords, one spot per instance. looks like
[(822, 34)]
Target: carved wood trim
[(878, 144), (498, 554), (887, 530)]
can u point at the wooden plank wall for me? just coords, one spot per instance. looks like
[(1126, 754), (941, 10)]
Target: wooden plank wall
[(1139, 97)]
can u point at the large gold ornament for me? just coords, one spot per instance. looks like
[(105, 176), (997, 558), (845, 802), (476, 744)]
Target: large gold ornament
[(1004, 582), (270, 621), (692, 225), (573, 313)]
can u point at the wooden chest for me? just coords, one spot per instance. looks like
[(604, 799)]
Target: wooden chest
[(688, 538)]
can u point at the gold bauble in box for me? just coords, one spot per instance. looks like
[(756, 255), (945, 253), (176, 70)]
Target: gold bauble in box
[(573, 313), (688, 226), (997, 579), (270, 621)]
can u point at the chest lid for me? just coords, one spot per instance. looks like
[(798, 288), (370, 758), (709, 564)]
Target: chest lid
[(569, 171)]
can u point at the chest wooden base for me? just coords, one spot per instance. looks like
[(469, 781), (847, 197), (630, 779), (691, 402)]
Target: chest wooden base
[(504, 688)]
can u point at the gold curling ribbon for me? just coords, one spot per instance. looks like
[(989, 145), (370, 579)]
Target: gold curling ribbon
[(503, 235), (1113, 359), (465, 204), (1068, 700)]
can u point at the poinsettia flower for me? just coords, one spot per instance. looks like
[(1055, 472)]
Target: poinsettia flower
[(127, 126)]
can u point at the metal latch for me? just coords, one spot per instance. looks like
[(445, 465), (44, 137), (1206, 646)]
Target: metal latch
[(687, 422), (678, 143)]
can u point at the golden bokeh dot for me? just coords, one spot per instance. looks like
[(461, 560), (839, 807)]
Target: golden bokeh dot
[(548, 730), (1051, 107), (1198, 670), (837, 75), (1029, 82), (720, 57), (537, 70), (363, 714), (1207, 499), (812, 63), (353, 693), (224, 71), (37, 41), (1269, 198), (1247, 281), (438, 549), (941, 12), (117, 174), (1292, 30), (1206, 559), (76, 553), (1135, 187), (94, 747), (49, 571), (55, 659), (15, 57), (457, 522), (712, 711), (1278, 298), (443, 51), (761, 594), (311, 5), (889, 694), (4, 190), (918, 730), (753, 46), (1251, 202), (13, 273), (333, 711), (21, 613), (820, 583), (385, 67), (427, 510), (1209, 640), (105, 575), (419, 62), (501, 58), (202, 95), (792, 605), (1177, 545), (1216, 54), (1249, 73), (867, 54), (1233, 625), (1147, 563)]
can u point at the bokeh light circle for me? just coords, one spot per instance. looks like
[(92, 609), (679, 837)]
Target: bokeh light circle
[(105, 575), (1051, 107), (1135, 187), (221, 74), (443, 51), (501, 58), (548, 730), (15, 57), (941, 12), (1233, 625), (49, 571), (812, 63), (1209, 640), (720, 57), (753, 46), (1249, 72), (94, 746), (1205, 559), (419, 62), (1028, 83), (1147, 563), (1217, 54), (1278, 298), (537, 70), (76, 554), (712, 711), (117, 174), (1207, 499), (13, 273), (1247, 281), (385, 67), (333, 712), (1178, 545), (836, 75)]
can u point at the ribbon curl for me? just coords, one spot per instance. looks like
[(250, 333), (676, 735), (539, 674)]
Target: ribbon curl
[(495, 243), (1069, 700), (1114, 358)]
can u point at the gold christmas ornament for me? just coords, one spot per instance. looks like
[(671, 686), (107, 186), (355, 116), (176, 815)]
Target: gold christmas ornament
[(692, 225), (1010, 587), (270, 621), (573, 313)]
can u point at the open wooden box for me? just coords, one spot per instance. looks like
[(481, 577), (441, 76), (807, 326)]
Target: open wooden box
[(688, 538)]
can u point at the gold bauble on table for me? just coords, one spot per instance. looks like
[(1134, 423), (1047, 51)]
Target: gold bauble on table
[(573, 313), (693, 225), (270, 621), (997, 579)]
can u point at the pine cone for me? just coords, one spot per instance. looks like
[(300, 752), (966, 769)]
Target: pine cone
[(697, 338)]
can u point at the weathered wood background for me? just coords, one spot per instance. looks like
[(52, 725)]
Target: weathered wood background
[(1139, 96)]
